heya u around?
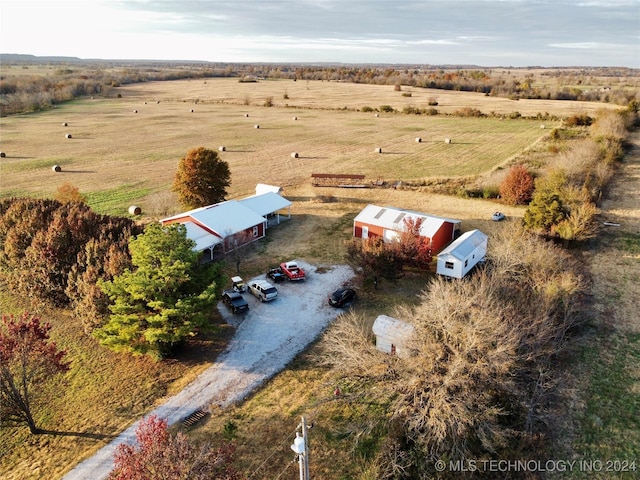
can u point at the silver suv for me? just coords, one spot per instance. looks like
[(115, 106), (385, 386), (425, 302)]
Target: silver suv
[(263, 290)]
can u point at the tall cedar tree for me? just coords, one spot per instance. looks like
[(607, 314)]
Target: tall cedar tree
[(159, 455), (202, 178), (165, 299), (27, 360), (518, 186)]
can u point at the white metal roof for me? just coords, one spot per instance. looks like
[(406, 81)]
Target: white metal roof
[(464, 244), (266, 203), (224, 218), (392, 327), (227, 218), (393, 219), (199, 235)]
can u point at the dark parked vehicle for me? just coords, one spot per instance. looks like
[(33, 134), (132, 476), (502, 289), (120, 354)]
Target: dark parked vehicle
[(343, 297), (234, 301), (276, 274)]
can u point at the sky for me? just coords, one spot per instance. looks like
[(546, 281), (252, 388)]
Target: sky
[(515, 33)]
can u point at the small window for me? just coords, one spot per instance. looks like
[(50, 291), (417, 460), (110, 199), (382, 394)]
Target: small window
[(255, 231), (466, 262), (448, 265)]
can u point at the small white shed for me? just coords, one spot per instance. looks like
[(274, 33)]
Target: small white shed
[(462, 254), (392, 335)]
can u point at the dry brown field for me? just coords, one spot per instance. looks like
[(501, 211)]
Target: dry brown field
[(126, 150)]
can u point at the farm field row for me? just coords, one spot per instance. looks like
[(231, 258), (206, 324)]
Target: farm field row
[(127, 148)]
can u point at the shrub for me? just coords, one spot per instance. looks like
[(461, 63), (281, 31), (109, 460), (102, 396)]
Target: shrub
[(579, 120), (366, 109), (547, 208), (518, 186), (469, 112), (386, 108)]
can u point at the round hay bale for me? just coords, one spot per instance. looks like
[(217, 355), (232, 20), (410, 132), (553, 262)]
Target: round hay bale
[(68, 135), (192, 110), (294, 155), (447, 140), (56, 168), (418, 140), (64, 124), (246, 115), (542, 127), (135, 210), (377, 115), (3, 155), (295, 118), (222, 149), (378, 150), (135, 111), (158, 101), (256, 126)]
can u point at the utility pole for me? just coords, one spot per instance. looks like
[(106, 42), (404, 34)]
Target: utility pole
[(301, 447)]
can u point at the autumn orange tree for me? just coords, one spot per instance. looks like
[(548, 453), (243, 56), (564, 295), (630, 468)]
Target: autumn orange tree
[(202, 178), (68, 193), (27, 360), (518, 186)]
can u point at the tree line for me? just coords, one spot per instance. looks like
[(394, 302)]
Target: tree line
[(23, 93)]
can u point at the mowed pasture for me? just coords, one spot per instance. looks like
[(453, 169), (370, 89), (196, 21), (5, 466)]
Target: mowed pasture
[(125, 150)]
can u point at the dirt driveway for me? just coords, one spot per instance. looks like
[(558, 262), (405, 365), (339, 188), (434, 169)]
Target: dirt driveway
[(267, 338)]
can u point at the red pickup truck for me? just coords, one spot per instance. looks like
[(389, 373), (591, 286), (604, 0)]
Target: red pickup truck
[(292, 271)]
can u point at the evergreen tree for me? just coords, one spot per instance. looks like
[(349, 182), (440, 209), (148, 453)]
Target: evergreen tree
[(165, 299)]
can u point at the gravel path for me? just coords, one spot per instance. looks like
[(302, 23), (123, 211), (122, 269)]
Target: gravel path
[(267, 338)]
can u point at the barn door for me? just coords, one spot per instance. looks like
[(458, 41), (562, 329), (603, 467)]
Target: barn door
[(365, 232)]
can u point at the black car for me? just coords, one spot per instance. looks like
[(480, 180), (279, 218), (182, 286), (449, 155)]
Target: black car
[(234, 301), (276, 274), (342, 297)]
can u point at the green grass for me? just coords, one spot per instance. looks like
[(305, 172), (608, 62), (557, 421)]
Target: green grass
[(115, 200), (610, 424)]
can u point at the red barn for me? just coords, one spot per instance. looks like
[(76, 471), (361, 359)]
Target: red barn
[(389, 223)]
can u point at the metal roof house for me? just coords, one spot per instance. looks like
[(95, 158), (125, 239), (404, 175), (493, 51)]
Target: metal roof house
[(268, 204), (463, 254), (222, 226), (392, 335), (389, 223)]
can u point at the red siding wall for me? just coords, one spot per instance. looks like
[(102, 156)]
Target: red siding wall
[(374, 230), (441, 239)]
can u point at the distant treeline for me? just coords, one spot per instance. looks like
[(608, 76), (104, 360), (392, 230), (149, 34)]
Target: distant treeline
[(24, 93)]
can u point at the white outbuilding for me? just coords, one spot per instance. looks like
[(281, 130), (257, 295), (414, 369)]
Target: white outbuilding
[(392, 335), (462, 254)]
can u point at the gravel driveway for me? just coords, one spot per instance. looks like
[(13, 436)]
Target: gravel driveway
[(267, 338)]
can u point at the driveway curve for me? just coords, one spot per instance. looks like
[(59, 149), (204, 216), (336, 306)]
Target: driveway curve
[(267, 338)]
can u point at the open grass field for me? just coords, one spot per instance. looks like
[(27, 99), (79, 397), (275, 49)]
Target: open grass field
[(118, 158)]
